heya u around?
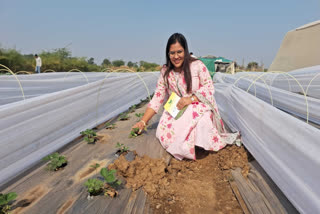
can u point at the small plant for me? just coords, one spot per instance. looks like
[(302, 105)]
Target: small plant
[(147, 98), (139, 115), (6, 201), (134, 133), (124, 116), (96, 166), (110, 125), (89, 135), (132, 108), (111, 182), (56, 161), (109, 176), (122, 148), (94, 186)]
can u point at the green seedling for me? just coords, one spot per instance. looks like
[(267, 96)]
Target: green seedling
[(122, 148), (147, 98), (139, 115), (110, 177), (124, 116), (134, 133), (94, 186), (6, 201), (132, 108), (89, 135), (96, 166), (110, 125), (56, 161)]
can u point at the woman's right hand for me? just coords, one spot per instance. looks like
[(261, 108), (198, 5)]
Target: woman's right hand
[(139, 125), (148, 114)]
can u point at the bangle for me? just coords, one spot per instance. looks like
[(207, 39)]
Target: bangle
[(192, 98), (144, 123)]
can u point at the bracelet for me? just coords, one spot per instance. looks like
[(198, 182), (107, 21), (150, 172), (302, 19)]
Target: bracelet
[(192, 98), (144, 123)]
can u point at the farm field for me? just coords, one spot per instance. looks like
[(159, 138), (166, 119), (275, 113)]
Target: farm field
[(63, 191)]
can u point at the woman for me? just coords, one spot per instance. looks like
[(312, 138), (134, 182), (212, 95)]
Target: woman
[(200, 125)]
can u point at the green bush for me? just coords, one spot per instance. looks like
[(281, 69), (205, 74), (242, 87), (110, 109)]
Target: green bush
[(118, 63)]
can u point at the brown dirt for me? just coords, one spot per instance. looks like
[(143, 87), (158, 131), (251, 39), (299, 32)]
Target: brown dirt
[(30, 198), (88, 171), (199, 186), (66, 206), (103, 138)]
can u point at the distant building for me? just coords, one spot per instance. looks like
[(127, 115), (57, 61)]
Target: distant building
[(300, 48), (218, 64)]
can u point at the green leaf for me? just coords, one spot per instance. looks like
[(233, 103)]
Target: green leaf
[(110, 179), (3, 201), (55, 155), (113, 171), (104, 172), (95, 166), (11, 196)]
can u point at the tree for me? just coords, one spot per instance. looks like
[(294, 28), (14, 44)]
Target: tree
[(118, 63), (12, 59), (106, 62), (148, 66), (130, 64), (91, 61), (252, 65), (63, 53)]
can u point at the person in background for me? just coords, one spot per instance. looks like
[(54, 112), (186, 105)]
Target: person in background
[(200, 125), (38, 63)]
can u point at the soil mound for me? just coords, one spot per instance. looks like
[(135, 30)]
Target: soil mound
[(187, 186)]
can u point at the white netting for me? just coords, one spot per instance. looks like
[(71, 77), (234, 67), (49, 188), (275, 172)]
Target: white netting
[(287, 148), (296, 92), (56, 108)]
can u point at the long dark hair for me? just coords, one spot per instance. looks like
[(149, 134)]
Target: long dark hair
[(174, 38)]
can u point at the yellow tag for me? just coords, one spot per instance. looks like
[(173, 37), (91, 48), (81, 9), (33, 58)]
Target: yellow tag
[(171, 105)]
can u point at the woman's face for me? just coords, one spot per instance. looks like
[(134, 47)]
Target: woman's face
[(176, 54)]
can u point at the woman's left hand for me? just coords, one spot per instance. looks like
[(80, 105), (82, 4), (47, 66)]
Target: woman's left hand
[(184, 101)]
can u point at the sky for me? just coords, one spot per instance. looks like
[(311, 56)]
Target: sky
[(243, 31)]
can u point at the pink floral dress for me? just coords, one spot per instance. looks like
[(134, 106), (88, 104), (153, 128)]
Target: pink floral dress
[(200, 125)]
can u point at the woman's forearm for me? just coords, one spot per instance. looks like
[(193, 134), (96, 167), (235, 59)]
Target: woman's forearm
[(148, 115)]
